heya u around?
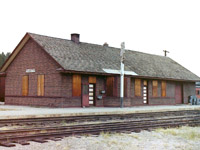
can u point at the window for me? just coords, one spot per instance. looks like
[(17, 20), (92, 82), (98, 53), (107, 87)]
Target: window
[(163, 88), (197, 92), (112, 86), (40, 85), (109, 86), (145, 82), (24, 85), (92, 79), (76, 85), (155, 88), (137, 87), (145, 92)]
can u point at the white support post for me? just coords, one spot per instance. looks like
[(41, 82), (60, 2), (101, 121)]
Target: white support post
[(122, 75), (122, 85)]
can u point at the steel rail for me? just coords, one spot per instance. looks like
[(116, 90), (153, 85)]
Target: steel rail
[(45, 133), (191, 117), (69, 119)]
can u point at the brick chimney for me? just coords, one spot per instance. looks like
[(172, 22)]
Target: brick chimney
[(105, 44), (75, 37)]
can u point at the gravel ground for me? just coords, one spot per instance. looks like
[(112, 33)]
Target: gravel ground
[(184, 138)]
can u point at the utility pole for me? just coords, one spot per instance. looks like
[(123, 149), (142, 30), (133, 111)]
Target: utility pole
[(165, 51), (122, 74)]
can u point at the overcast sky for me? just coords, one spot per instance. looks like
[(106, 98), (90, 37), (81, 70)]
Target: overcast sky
[(149, 26)]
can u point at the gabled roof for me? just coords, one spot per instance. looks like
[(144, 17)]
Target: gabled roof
[(92, 58)]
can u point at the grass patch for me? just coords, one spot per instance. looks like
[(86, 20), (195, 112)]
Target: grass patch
[(105, 134), (168, 131), (109, 134), (3, 109), (133, 136), (190, 133)]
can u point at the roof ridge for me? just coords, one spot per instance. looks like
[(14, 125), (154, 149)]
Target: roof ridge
[(46, 36), (97, 45)]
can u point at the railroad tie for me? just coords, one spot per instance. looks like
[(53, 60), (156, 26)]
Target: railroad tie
[(6, 144), (54, 139), (23, 142), (39, 140)]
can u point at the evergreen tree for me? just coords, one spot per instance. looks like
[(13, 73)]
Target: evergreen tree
[(3, 58)]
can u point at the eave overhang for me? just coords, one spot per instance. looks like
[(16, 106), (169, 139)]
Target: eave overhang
[(113, 74)]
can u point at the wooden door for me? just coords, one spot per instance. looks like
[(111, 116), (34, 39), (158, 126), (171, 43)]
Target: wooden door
[(91, 94), (178, 94), (145, 92), (85, 95), (2, 88)]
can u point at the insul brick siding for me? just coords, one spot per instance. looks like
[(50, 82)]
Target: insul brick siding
[(32, 56), (189, 89), (58, 86), (169, 99)]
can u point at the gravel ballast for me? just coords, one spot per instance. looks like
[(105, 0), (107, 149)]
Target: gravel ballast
[(184, 138)]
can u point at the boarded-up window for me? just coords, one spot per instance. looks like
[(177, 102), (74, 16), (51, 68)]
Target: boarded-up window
[(40, 85), (109, 86), (24, 85), (145, 82), (137, 87), (76, 85), (92, 79), (163, 88), (155, 88)]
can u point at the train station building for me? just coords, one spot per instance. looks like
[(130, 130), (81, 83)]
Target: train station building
[(54, 72)]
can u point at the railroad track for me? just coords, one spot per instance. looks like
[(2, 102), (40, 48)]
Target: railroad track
[(42, 134), (89, 118)]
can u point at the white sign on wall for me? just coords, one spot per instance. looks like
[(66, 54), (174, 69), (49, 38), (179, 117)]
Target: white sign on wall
[(30, 70), (119, 71)]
